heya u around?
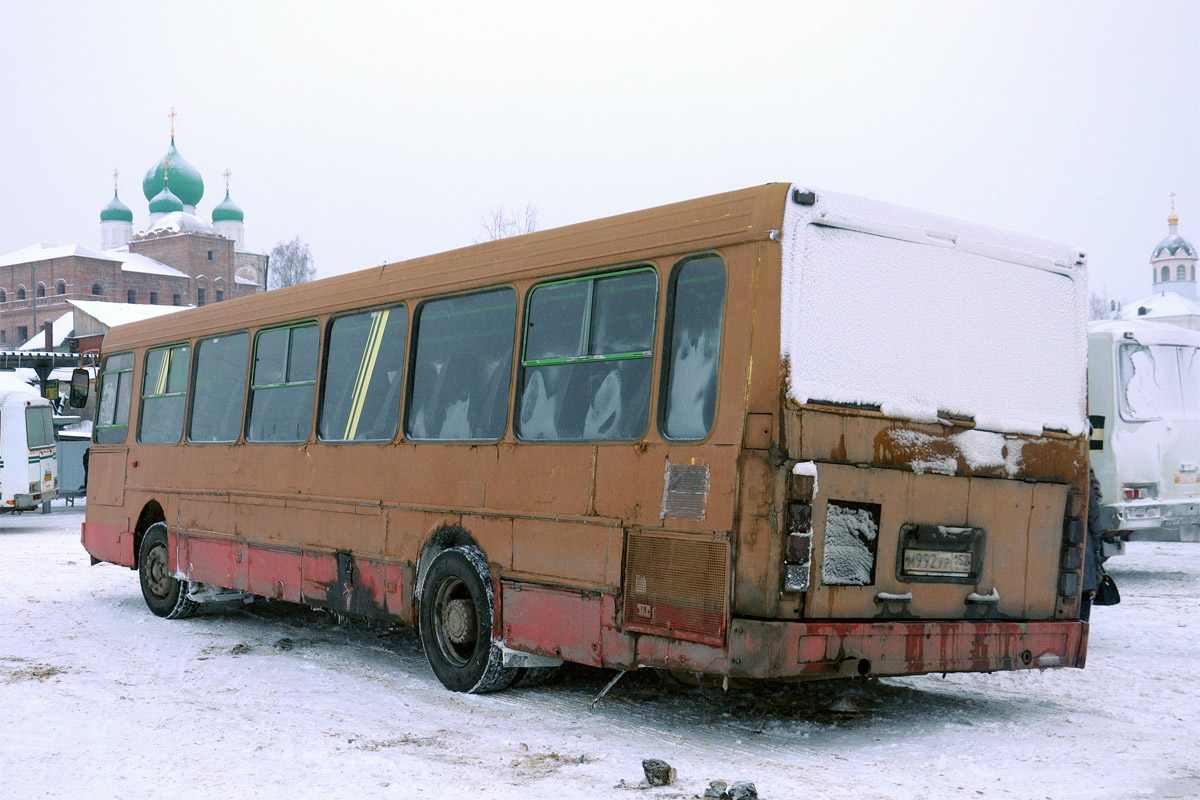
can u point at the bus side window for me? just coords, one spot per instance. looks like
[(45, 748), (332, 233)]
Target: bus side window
[(462, 367), (692, 348), (283, 384), (164, 395), (587, 358), (116, 389), (364, 363), (220, 388)]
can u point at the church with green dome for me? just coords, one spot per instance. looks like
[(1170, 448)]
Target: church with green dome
[(171, 256)]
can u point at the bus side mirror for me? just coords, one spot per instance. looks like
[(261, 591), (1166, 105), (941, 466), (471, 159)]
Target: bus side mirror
[(80, 383)]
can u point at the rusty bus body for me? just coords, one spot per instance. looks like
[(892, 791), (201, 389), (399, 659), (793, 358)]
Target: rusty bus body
[(705, 551)]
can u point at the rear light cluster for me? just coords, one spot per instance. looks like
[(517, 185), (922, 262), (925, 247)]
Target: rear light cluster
[(1070, 565), (1139, 492), (797, 550), (1072, 558), (798, 538)]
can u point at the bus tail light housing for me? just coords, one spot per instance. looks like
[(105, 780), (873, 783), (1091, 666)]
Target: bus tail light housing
[(797, 549), (1139, 491), (1070, 564)]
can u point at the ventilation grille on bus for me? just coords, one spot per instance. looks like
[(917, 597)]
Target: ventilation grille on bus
[(676, 585), (685, 491)]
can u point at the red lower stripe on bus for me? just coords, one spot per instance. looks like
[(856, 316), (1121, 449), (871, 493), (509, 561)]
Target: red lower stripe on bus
[(340, 581), (107, 542), (583, 627)]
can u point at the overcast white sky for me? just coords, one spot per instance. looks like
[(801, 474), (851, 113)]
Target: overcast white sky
[(379, 132)]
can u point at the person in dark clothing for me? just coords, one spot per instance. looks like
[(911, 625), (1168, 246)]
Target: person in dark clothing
[(1098, 586), (87, 451)]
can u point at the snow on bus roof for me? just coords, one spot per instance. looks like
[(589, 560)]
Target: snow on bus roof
[(924, 316), (1146, 331), (10, 382)]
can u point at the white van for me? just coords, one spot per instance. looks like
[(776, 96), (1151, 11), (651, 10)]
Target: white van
[(1144, 404), (28, 459)]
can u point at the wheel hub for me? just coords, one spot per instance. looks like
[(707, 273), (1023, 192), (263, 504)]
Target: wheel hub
[(458, 621), (156, 572)]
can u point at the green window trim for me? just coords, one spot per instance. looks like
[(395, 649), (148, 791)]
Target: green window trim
[(586, 323), (255, 387), (265, 386), (587, 355), (550, 362)]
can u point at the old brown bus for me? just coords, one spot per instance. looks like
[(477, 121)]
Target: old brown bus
[(778, 432)]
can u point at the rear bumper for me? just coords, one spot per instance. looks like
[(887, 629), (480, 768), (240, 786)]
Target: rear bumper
[(28, 502), (1151, 520), (830, 650)]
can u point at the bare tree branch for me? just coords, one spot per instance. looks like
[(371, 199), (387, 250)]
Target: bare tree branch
[(1101, 306), (498, 223), (290, 264)]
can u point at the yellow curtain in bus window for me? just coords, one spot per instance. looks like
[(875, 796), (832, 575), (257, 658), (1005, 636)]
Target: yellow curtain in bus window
[(363, 375)]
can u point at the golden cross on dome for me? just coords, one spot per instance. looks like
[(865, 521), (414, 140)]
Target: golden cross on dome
[(172, 116), (114, 181), (227, 173)]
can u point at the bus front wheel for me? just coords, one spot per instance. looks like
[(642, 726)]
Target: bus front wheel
[(456, 623), (165, 595)]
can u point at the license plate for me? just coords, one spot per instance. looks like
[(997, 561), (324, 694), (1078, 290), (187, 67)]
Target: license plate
[(1190, 477), (937, 562)]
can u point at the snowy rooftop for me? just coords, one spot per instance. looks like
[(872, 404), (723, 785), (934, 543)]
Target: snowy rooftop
[(113, 314), (62, 328), (44, 252), (130, 262), (136, 262), (178, 222), (1163, 304)]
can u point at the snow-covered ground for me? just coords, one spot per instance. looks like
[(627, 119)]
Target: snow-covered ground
[(99, 699)]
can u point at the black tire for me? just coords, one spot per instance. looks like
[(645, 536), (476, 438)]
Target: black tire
[(456, 623), (165, 595)]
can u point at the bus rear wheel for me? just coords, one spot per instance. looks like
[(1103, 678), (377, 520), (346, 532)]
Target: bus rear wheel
[(165, 595), (456, 623)]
